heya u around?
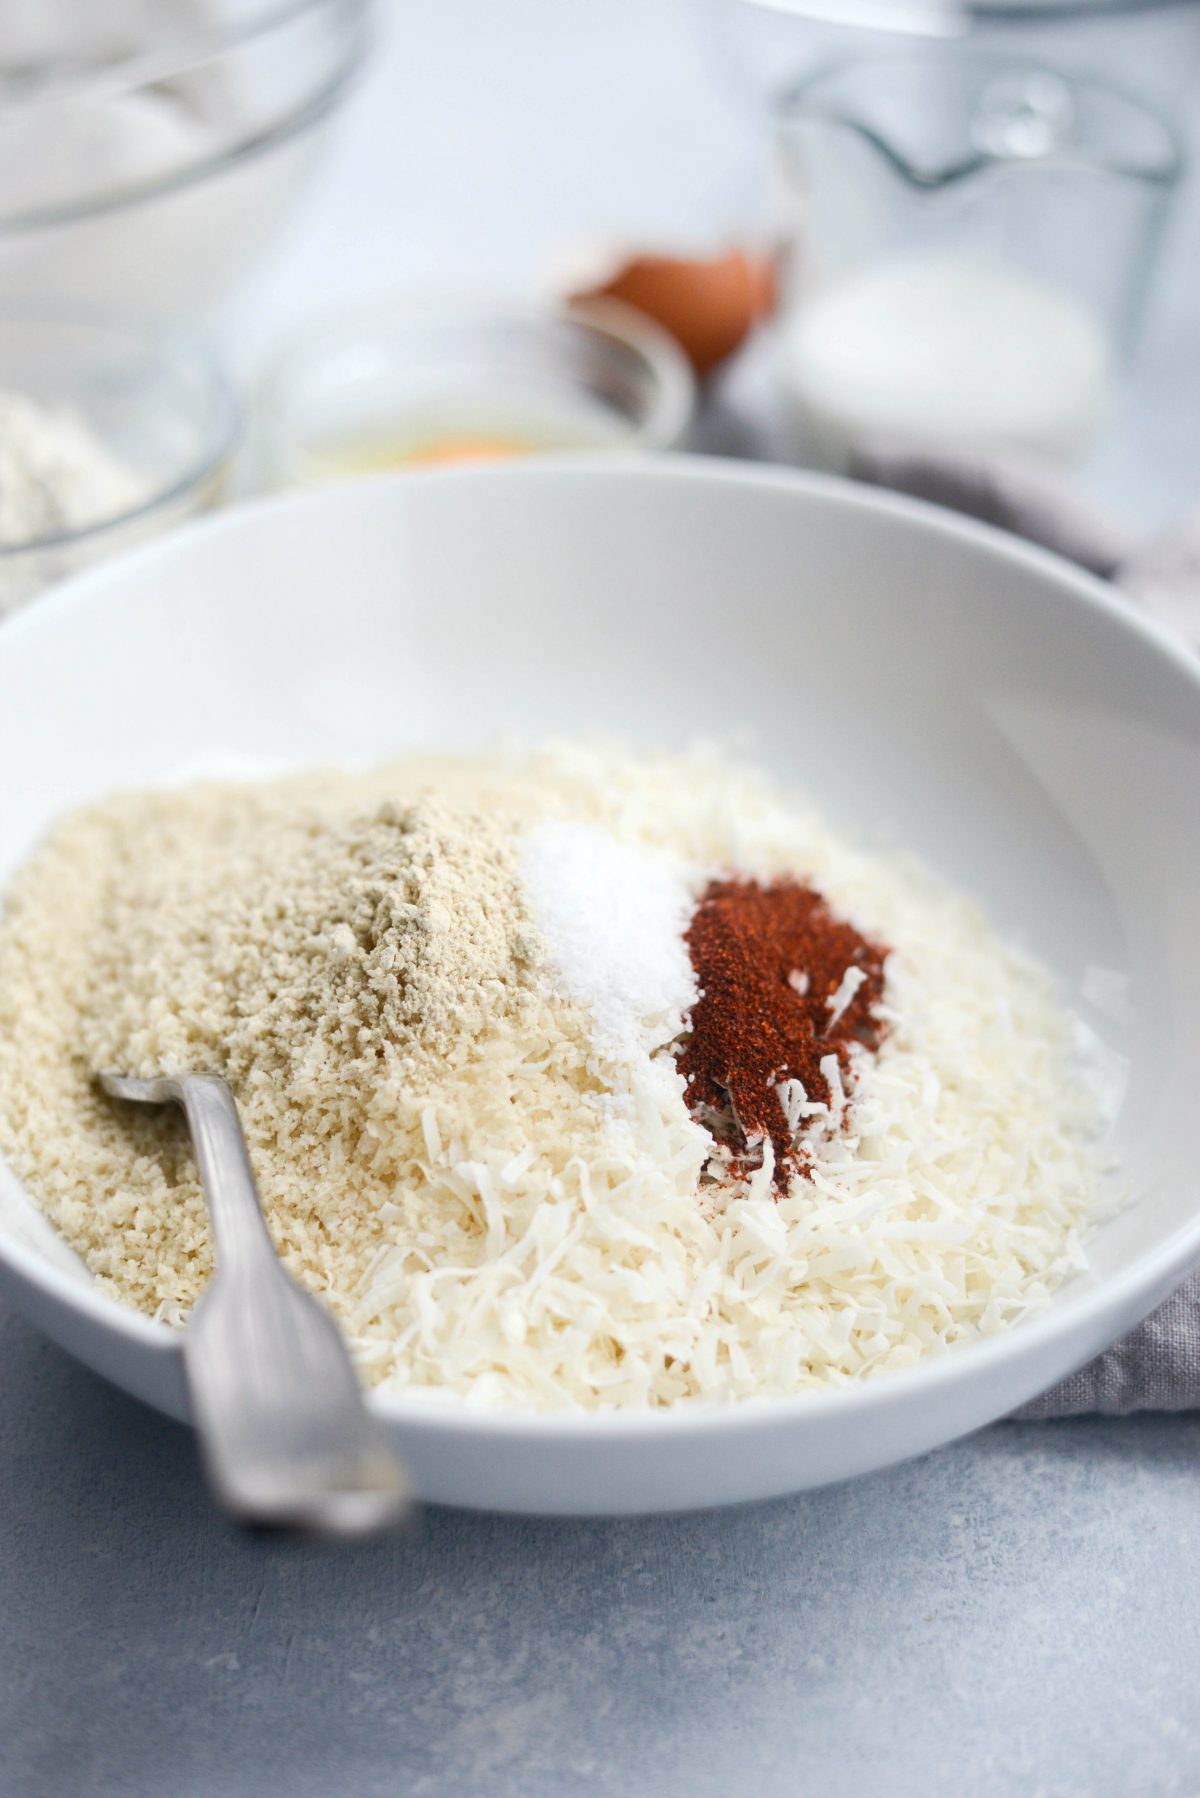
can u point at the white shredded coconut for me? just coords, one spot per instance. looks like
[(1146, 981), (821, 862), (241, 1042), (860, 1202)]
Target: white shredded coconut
[(831, 1073), (494, 1235), (794, 1100), (837, 1002)]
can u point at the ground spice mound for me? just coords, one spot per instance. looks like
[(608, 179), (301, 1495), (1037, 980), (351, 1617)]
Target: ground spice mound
[(783, 984)]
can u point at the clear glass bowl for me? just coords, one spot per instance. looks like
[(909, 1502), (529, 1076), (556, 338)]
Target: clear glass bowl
[(152, 397), (393, 386), (147, 156)]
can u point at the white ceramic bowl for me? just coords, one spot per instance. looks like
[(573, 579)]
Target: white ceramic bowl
[(922, 677)]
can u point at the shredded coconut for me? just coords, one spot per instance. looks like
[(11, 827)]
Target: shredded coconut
[(851, 980), (457, 1144)]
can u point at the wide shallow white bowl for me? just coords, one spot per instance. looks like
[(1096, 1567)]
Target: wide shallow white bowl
[(927, 680)]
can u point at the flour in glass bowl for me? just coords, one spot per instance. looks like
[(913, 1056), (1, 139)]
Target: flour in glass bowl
[(57, 477)]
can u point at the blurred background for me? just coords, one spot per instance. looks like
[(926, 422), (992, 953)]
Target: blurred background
[(244, 244)]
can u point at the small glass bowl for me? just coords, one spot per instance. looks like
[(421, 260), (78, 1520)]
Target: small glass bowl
[(393, 387), (152, 397)]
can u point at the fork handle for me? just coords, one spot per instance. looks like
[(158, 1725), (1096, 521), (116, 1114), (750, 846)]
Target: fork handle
[(229, 1185)]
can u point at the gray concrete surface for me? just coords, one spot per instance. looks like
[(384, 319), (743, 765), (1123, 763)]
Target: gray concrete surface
[(1019, 1614)]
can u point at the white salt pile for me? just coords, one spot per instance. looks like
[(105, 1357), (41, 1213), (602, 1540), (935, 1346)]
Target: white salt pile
[(613, 916)]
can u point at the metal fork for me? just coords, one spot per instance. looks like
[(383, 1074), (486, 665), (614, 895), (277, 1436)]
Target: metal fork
[(285, 1433)]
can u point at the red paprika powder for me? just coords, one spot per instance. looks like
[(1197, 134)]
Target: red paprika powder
[(769, 963)]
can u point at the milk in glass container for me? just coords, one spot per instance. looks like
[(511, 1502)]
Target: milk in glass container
[(971, 239)]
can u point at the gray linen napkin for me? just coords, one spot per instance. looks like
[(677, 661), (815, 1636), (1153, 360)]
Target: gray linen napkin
[(1157, 1366)]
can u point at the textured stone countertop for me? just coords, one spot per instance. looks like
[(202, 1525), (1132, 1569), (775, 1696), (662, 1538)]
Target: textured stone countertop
[(1014, 1617), (1017, 1616)]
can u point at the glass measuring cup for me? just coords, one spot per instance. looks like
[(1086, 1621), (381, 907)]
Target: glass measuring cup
[(972, 240)]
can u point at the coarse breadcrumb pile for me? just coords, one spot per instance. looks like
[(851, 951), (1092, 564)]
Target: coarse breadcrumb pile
[(494, 1197)]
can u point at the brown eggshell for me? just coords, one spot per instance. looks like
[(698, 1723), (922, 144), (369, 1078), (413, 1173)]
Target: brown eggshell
[(709, 306)]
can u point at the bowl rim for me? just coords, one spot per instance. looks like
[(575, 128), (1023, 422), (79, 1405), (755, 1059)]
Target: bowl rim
[(316, 105), (450, 1414), (171, 346)]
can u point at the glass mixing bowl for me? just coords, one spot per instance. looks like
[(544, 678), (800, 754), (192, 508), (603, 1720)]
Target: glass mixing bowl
[(147, 152)]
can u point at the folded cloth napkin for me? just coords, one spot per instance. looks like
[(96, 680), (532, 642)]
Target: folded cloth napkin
[(1157, 1366)]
